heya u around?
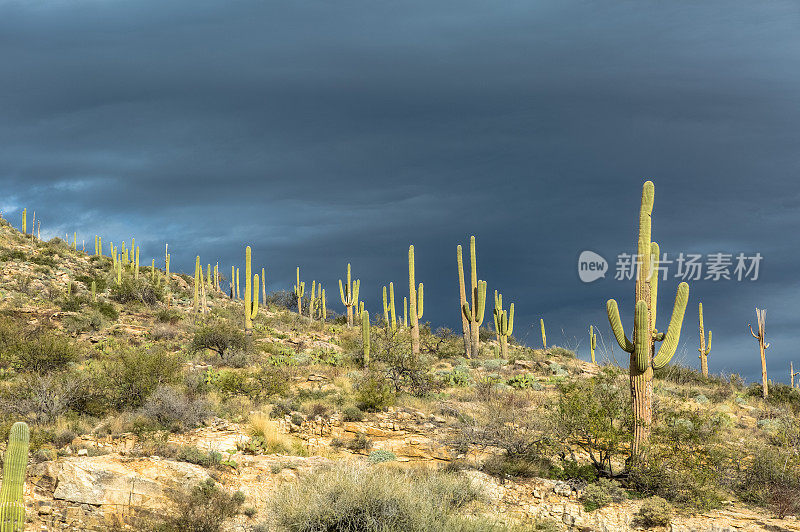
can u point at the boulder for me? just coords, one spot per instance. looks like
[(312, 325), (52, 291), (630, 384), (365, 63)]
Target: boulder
[(111, 481)]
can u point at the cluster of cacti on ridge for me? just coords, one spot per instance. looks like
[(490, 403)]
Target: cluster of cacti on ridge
[(644, 358), (15, 461), (503, 323), (472, 310), (415, 296), (349, 295)]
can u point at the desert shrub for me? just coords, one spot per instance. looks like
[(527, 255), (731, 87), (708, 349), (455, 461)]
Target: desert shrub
[(505, 466), (595, 416), (126, 377), (163, 331), (140, 290), (204, 509), (282, 299), (373, 392), (359, 442), (107, 309), (193, 455), (173, 410), (43, 397), (772, 479), (72, 303), (42, 352), (354, 498), (602, 493), (86, 280), (352, 413), (780, 395), (283, 408), (219, 336), (655, 511), (379, 456), (170, 316), (569, 469)]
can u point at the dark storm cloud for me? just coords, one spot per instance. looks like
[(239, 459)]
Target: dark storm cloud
[(328, 132)]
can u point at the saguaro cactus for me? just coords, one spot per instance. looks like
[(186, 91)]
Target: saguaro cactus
[(474, 314), (761, 316), (12, 504), (349, 295), (312, 301), (197, 281), (324, 311), (250, 293), (389, 309), (24, 221), (792, 373), (704, 349), (644, 358), (592, 342), (415, 297), (264, 287), (544, 333), (299, 290), (405, 311), (463, 301), (503, 323), (365, 336)]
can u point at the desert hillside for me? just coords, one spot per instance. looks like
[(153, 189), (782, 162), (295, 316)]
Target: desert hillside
[(154, 403)]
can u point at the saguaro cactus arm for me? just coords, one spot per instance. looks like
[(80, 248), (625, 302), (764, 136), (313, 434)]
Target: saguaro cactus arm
[(616, 326), (673, 334)]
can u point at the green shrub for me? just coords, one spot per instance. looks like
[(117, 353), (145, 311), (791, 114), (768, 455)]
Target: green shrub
[(505, 466), (602, 493), (352, 413), (193, 455), (373, 392), (219, 336), (772, 479), (126, 377), (655, 511), (170, 316), (362, 499), (379, 456), (107, 309), (137, 290), (42, 352)]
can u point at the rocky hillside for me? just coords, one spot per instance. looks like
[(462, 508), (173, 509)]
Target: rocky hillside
[(146, 414)]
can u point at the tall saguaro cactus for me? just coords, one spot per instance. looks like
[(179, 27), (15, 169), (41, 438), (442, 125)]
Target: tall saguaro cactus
[(264, 287), (704, 348), (415, 297), (299, 291), (792, 373), (365, 335), (198, 276), (644, 358), (250, 293), (592, 342), (12, 505), (312, 301), (503, 323), (761, 316), (24, 221), (544, 333), (463, 301), (349, 295), (474, 313)]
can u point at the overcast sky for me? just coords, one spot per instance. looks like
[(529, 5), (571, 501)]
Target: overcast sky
[(326, 132)]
